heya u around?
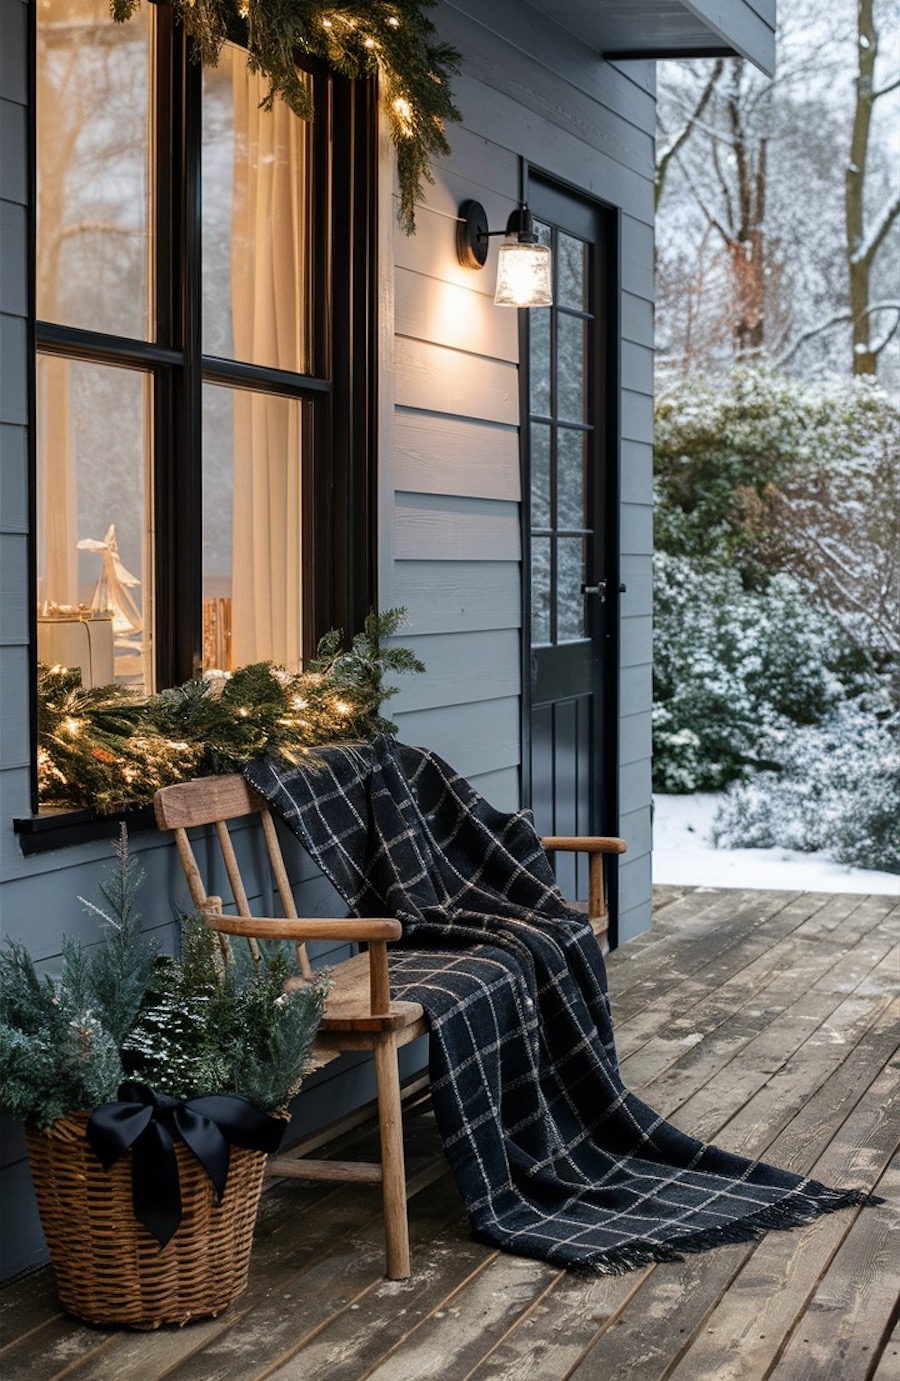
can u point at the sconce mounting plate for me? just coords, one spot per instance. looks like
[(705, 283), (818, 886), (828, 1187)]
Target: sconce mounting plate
[(472, 235)]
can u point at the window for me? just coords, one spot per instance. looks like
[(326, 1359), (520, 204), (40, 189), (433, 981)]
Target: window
[(202, 371)]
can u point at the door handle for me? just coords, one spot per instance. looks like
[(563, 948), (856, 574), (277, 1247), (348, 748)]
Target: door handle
[(600, 589)]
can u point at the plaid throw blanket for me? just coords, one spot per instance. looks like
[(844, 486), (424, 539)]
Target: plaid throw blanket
[(555, 1158)]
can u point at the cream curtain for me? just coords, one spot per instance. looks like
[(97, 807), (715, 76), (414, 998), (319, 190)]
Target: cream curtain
[(269, 273), (57, 487)]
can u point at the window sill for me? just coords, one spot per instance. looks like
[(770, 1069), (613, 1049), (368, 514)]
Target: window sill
[(63, 829)]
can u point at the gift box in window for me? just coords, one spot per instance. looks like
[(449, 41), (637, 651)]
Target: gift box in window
[(78, 637)]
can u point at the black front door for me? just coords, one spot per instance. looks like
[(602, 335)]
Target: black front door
[(571, 588)]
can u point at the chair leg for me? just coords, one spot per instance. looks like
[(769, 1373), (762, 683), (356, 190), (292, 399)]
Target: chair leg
[(390, 1122)]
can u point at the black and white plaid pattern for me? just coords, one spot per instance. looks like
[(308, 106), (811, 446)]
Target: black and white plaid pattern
[(555, 1158)]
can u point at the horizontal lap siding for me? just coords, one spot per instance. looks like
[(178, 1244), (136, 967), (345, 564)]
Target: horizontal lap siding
[(450, 448)]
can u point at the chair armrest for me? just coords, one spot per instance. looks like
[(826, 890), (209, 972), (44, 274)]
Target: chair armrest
[(374, 931), (584, 844), (286, 928), (596, 847)]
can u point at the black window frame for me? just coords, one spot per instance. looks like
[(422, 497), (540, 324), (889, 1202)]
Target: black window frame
[(339, 518)]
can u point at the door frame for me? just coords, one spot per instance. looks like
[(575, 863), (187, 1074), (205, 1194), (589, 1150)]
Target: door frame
[(605, 382)]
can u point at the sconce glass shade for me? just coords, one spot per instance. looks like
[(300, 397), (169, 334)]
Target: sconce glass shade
[(524, 275)]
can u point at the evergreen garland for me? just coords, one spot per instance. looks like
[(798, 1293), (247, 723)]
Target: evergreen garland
[(107, 749), (391, 39)]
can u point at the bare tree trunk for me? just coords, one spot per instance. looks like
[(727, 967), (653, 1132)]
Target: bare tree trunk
[(858, 260), (745, 234)]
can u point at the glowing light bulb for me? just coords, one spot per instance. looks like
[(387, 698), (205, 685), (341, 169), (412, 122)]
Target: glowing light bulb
[(404, 113)]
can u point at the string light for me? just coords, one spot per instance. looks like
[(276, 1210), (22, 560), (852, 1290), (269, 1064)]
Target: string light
[(404, 113)]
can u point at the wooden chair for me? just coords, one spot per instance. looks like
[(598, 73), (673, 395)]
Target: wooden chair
[(359, 1014)]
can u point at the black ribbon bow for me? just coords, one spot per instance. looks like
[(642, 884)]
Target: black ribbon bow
[(149, 1123)]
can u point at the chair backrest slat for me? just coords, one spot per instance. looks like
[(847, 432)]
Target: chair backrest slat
[(283, 883), (215, 801), (233, 872)]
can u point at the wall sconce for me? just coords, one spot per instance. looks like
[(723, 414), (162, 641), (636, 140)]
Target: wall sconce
[(524, 267)]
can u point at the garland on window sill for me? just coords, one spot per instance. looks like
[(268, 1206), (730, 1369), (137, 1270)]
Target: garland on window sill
[(106, 749), (392, 39)]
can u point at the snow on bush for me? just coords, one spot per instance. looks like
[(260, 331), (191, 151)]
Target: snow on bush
[(837, 791), (777, 609), (734, 671), (766, 474)]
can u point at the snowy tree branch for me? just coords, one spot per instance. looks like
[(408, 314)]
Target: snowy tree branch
[(668, 154), (866, 251), (839, 319)]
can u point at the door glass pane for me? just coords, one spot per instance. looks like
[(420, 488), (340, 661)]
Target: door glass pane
[(571, 280), (93, 204), (570, 479), (252, 541), (539, 334), (257, 200), (95, 528), (569, 599), (540, 589), (572, 346), (540, 476)]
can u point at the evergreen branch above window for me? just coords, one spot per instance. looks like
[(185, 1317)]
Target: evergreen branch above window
[(391, 39)]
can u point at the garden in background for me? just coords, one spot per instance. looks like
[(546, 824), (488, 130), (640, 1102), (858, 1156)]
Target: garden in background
[(777, 566)]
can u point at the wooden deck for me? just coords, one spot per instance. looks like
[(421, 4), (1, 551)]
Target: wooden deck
[(765, 1020)]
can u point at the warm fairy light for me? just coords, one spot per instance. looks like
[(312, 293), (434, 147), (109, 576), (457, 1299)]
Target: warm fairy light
[(73, 726), (369, 43), (326, 24), (404, 113), (341, 707), (299, 702), (244, 9), (394, 22), (243, 712)]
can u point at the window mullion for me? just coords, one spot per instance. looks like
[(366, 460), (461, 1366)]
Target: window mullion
[(178, 439)]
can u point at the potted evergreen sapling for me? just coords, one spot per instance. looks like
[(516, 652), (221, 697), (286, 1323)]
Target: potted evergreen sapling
[(152, 1089)]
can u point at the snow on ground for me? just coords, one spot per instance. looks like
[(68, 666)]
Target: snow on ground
[(683, 854)]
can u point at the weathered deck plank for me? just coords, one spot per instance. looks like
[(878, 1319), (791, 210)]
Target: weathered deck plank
[(765, 1020)]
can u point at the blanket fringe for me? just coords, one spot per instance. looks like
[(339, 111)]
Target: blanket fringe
[(795, 1210)]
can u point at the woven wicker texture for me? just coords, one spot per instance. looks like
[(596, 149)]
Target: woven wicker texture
[(109, 1270)]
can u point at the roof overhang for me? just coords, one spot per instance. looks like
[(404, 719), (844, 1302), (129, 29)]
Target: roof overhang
[(623, 29)]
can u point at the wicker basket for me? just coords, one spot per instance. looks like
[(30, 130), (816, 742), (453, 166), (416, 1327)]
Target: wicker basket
[(109, 1269)]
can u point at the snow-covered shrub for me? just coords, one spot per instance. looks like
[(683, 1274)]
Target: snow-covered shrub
[(837, 791), (734, 671), (768, 474)]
